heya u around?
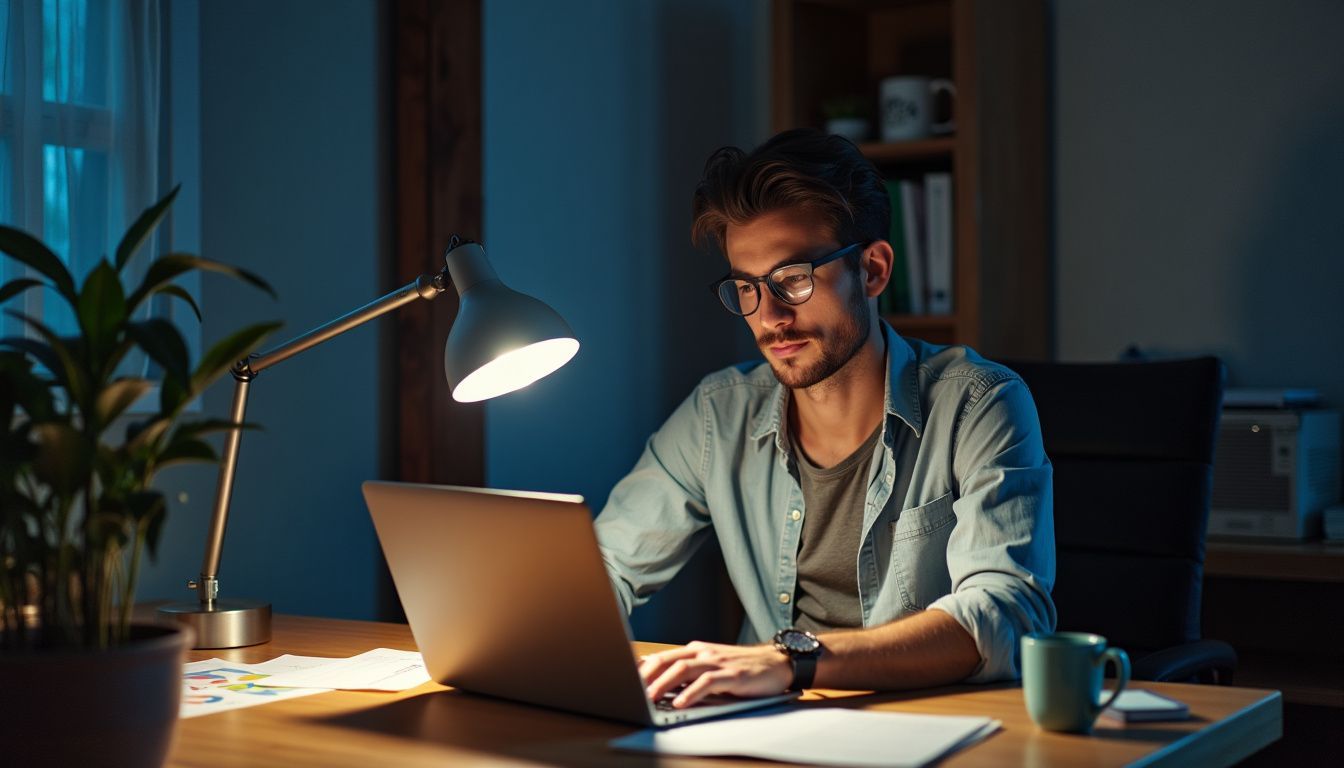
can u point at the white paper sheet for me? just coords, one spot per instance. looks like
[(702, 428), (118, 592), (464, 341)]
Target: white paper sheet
[(290, 663), (382, 669), (217, 685), (826, 736)]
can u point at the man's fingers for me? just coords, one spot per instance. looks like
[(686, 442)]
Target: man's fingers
[(653, 665), (717, 681), (677, 674)]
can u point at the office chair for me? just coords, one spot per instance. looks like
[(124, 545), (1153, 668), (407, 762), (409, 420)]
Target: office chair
[(1132, 447)]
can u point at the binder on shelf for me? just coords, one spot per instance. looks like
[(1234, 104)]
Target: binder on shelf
[(895, 299), (913, 223), (938, 226)]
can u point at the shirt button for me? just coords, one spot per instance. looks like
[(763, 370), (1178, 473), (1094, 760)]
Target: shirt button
[(890, 477), (795, 515), (783, 597)]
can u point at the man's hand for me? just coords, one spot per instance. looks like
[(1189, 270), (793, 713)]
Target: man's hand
[(705, 668)]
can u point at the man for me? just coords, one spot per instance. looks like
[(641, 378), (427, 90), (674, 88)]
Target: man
[(883, 505)]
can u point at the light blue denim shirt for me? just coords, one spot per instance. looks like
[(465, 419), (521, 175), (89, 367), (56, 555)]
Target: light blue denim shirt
[(958, 516)]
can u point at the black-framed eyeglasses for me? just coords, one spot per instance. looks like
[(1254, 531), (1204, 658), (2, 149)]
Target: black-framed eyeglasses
[(791, 284)]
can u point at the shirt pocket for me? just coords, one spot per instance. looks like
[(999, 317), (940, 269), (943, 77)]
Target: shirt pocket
[(919, 544)]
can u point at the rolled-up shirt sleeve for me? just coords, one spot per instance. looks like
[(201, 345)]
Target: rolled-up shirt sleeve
[(1001, 554), (656, 516)]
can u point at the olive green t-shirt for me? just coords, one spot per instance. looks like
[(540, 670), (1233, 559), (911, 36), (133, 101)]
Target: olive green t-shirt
[(827, 596)]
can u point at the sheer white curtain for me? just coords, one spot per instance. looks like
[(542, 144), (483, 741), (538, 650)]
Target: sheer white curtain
[(79, 129)]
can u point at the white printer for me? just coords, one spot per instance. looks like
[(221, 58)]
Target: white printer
[(1277, 466)]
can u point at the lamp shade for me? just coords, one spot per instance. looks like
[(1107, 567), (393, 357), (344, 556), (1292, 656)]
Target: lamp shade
[(502, 340)]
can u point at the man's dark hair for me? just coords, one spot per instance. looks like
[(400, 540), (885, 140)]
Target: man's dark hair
[(800, 168)]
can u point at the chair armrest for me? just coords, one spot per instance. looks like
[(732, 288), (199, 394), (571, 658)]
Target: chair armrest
[(1200, 661)]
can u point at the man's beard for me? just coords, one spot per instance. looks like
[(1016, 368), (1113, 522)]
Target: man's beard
[(837, 349)]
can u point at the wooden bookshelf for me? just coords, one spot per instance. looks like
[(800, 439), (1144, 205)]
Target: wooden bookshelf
[(1291, 561), (931, 150), (994, 52), (1278, 603)]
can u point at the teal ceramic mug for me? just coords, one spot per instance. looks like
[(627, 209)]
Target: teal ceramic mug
[(1061, 678)]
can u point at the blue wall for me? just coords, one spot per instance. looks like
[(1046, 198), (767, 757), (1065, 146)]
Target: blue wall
[(1200, 184), (291, 187), (598, 119)]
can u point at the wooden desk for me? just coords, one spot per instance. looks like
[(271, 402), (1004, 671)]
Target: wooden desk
[(437, 726)]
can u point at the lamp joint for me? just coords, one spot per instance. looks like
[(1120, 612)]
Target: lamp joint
[(207, 588), (242, 370)]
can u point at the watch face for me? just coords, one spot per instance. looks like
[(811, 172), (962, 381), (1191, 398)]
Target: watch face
[(797, 641)]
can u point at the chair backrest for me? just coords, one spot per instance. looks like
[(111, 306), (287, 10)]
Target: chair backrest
[(1132, 448)]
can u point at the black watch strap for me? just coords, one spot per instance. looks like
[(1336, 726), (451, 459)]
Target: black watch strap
[(804, 670), (803, 649)]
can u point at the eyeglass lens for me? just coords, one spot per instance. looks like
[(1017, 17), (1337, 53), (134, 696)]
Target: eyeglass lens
[(792, 284)]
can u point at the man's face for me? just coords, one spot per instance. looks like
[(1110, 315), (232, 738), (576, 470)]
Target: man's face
[(807, 343)]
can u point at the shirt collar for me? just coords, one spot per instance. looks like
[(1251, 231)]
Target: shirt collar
[(902, 393)]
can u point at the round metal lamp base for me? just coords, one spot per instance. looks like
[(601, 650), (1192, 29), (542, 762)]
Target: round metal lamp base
[(225, 624)]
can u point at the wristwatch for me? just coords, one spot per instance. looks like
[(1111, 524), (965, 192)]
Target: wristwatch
[(803, 649)]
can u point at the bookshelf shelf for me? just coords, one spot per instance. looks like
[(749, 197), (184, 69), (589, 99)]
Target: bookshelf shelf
[(939, 329), (1296, 561), (923, 322), (994, 53), (924, 149)]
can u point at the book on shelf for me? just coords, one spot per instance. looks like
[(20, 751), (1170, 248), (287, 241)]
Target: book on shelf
[(913, 224), (895, 299), (938, 240)]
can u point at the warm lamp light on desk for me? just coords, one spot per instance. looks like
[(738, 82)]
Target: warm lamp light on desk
[(501, 341)]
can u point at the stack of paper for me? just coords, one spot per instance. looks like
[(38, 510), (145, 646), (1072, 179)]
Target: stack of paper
[(382, 669), (217, 685), (826, 736)]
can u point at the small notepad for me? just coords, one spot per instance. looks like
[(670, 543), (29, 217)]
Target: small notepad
[(1140, 706)]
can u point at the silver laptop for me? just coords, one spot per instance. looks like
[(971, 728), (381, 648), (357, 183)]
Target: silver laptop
[(506, 595)]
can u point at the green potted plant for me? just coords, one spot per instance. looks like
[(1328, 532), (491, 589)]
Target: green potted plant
[(78, 509), (847, 116)]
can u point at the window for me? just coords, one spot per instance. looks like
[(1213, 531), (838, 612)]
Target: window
[(84, 132)]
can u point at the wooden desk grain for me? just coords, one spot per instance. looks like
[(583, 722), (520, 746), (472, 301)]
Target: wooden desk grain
[(436, 726)]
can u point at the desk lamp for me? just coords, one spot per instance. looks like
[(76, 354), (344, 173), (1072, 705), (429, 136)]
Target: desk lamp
[(501, 341)]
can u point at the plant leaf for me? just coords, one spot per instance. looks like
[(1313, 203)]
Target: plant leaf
[(15, 287), (21, 388), (186, 449), (166, 268), (143, 226), (39, 351), (145, 433), (208, 426), (149, 508), (34, 253), (228, 351), (173, 395), (119, 395), (63, 457), (181, 293), (160, 340), (71, 375), (102, 308)]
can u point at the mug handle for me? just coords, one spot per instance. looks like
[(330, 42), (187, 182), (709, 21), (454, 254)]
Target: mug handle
[(936, 87), (1121, 660)]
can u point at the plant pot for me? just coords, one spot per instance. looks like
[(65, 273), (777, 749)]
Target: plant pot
[(856, 129), (93, 707)]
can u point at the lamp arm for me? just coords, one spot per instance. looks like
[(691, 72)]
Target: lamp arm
[(425, 287)]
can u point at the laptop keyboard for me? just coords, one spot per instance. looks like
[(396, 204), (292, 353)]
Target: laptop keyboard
[(714, 699)]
